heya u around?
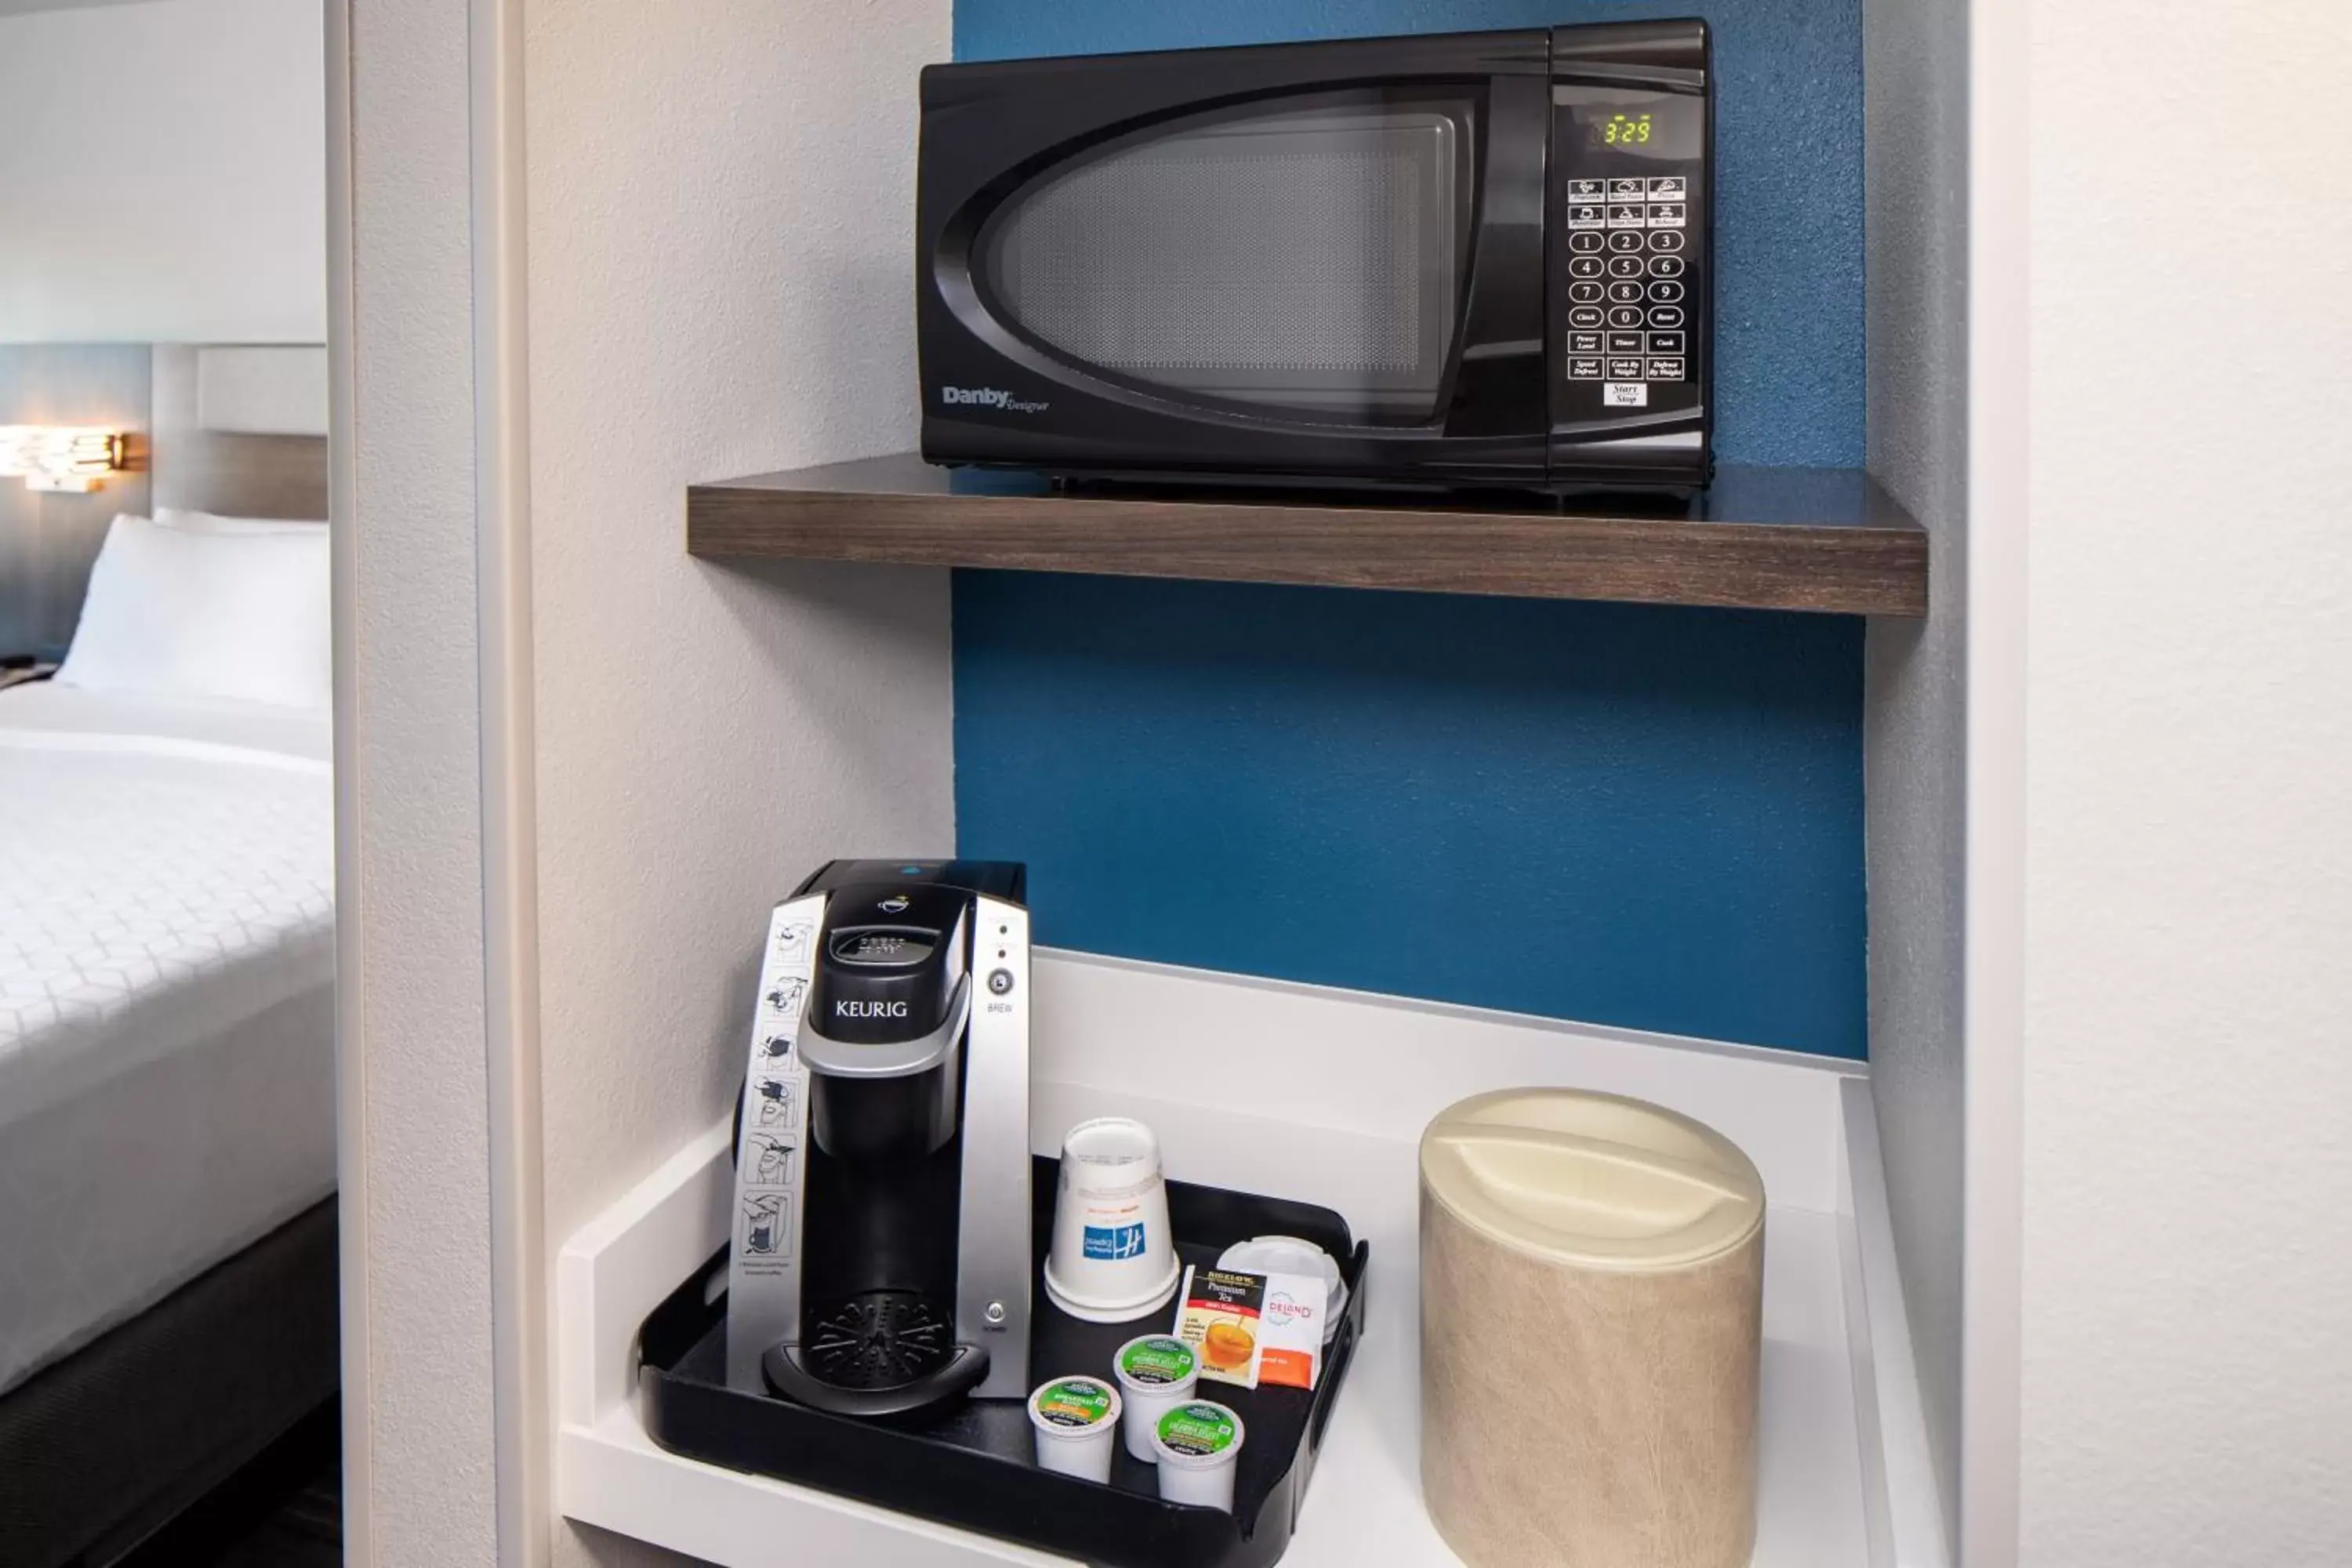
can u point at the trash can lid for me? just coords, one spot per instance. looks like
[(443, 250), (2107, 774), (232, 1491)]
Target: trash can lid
[(1594, 1181)]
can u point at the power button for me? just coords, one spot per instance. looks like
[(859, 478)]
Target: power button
[(1000, 981)]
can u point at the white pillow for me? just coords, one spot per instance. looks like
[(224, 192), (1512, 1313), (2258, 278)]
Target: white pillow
[(177, 614), (213, 522)]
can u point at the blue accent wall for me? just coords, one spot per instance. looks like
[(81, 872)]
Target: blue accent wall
[(1632, 815)]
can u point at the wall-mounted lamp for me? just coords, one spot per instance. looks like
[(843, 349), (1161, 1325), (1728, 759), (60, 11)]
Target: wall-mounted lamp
[(59, 458)]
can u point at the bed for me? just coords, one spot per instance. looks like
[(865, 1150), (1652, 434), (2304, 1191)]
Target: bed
[(167, 1112)]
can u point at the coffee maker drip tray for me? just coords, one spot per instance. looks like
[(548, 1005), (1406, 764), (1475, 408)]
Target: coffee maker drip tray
[(884, 1339), (881, 1353)]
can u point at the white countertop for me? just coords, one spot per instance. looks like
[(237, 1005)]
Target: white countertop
[(1362, 1504)]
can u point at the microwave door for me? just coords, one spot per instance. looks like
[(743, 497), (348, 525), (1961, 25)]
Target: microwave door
[(1322, 275)]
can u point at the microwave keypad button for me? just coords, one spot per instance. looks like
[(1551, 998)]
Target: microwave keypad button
[(1584, 343), (1625, 266), (1587, 216), (1584, 293), (1588, 190), (1584, 244), (1668, 240), (1625, 317), (1665, 267), (1666, 291), (1585, 266), (1586, 317), (1662, 343), (1625, 342), (1668, 188), (1665, 370), (1629, 190), (1625, 293), (1623, 240), (1584, 370), (1628, 217), (1663, 214), (1665, 316), (1625, 370)]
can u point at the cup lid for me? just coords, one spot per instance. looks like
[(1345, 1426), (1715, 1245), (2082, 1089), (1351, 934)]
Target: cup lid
[(1197, 1434)]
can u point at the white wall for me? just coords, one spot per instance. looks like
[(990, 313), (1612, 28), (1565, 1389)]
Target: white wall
[(720, 253), (2187, 1280), (163, 174), (417, 1136), (1914, 166)]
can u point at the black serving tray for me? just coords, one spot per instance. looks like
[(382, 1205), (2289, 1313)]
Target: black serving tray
[(975, 1465)]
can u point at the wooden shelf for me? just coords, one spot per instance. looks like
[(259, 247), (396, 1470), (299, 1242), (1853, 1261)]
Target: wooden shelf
[(1780, 538)]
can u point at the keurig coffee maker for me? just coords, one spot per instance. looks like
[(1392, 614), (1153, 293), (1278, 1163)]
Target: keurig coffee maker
[(882, 1255)]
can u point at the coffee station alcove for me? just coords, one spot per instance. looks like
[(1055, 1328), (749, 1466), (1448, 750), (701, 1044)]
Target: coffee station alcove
[(1320, 1094)]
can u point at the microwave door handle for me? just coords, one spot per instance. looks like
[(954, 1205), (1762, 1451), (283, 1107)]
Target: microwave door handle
[(1501, 368)]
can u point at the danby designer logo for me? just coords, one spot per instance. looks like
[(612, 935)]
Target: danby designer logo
[(845, 1008), (988, 397)]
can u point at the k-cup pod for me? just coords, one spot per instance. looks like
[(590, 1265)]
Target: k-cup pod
[(1198, 1442), (1112, 1259), (1156, 1373), (1075, 1417)]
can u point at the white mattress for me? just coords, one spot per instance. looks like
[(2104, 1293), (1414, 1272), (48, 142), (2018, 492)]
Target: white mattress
[(167, 999)]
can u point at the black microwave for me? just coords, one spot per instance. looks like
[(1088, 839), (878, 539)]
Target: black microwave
[(1474, 259)]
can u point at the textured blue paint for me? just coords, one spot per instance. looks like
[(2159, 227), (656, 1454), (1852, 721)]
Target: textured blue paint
[(1638, 817)]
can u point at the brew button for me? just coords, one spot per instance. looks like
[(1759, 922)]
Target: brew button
[(1664, 342), (1626, 294), (1667, 188), (1624, 342), (995, 1314), (1584, 370), (1665, 267), (1624, 370), (1588, 190), (1584, 343), (1627, 216), (1582, 243), (1000, 981), (1666, 315), (1665, 239), (1585, 316), (1624, 241), (1586, 216), (1625, 266), (1666, 291), (1585, 266), (1584, 293), (1665, 370), (1626, 317), (1663, 214)]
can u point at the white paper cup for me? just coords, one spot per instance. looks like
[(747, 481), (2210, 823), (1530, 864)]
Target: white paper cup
[(1198, 1442), (1112, 1259), (1156, 1373), (1075, 1417)]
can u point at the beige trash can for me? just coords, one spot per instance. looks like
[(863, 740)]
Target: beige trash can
[(1592, 1302)]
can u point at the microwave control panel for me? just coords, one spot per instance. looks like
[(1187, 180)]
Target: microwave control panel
[(1629, 254)]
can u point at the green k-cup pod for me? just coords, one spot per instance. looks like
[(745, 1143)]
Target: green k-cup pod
[(1074, 1402), (1201, 1431), (1157, 1359)]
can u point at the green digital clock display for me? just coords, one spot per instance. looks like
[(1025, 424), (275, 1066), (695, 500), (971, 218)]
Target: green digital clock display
[(1623, 129)]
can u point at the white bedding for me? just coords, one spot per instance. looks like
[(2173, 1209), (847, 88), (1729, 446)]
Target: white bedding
[(167, 999)]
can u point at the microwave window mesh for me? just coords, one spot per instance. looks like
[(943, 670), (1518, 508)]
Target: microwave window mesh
[(1310, 260)]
